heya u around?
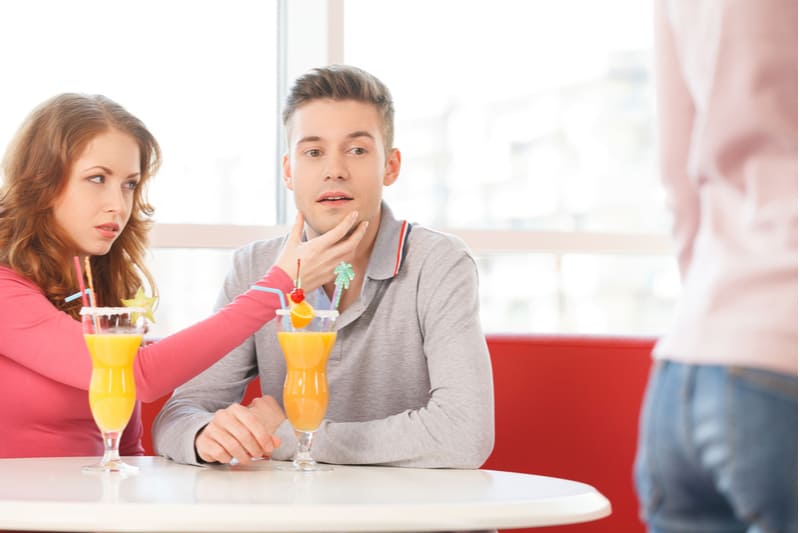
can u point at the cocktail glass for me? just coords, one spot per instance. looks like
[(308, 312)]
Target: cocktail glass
[(113, 336), (306, 343)]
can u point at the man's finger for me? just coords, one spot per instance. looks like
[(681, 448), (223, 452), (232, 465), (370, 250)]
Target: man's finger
[(340, 230), (242, 426), (229, 443), (210, 451), (230, 430), (259, 439)]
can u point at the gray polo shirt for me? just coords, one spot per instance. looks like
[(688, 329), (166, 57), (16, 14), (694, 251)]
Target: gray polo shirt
[(409, 376)]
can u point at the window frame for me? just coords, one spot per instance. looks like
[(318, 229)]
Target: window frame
[(325, 19)]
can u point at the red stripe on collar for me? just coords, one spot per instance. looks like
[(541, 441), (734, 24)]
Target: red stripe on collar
[(405, 229)]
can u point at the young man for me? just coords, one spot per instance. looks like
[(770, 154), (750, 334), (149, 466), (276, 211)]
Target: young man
[(409, 376)]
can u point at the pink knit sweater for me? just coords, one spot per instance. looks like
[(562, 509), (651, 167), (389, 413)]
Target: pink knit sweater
[(45, 367), (727, 93)]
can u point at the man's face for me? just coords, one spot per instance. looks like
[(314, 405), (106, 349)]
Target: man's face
[(337, 162)]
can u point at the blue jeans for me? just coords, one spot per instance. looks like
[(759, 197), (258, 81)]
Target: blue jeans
[(718, 450)]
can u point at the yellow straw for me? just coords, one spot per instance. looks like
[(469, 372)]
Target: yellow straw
[(92, 301)]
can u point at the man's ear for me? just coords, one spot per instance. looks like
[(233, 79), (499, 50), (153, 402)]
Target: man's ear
[(287, 172), (392, 170)]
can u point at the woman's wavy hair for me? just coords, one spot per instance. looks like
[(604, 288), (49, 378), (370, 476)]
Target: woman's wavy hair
[(35, 171)]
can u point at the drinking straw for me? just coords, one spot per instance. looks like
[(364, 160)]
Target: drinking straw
[(92, 299), (75, 296), (344, 275), (77, 264), (281, 297)]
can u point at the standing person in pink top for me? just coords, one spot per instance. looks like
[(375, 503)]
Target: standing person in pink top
[(718, 441), (73, 184)]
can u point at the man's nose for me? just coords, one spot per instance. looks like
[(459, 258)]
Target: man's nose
[(336, 168)]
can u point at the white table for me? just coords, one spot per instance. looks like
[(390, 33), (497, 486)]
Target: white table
[(53, 494)]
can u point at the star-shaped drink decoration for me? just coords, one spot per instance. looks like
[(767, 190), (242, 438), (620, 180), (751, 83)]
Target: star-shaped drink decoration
[(143, 301)]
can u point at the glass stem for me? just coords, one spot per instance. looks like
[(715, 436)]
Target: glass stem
[(303, 454), (111, 446)]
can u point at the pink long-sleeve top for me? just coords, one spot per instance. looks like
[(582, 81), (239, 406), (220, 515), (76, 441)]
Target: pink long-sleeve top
[(45, 366), (727, 95)]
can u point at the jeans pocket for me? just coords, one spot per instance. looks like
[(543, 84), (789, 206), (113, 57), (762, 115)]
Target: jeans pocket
[(760, 480), (766, 382)]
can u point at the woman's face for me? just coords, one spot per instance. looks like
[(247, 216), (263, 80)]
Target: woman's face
[(97, 200)]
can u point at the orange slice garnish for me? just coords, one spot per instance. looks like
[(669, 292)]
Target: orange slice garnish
[(301, 314)]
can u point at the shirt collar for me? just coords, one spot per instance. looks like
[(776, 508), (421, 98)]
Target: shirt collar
[(388, 252)]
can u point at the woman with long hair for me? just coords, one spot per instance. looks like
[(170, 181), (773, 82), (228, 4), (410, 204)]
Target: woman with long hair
[(74, 184)]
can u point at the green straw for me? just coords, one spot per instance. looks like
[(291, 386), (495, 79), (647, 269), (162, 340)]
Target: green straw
[(344, 275)]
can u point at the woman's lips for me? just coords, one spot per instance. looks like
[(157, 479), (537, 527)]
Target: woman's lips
[(108, 231)]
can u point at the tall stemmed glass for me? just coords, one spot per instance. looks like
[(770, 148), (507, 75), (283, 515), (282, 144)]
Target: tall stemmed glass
[(113, 336), (306, 343)]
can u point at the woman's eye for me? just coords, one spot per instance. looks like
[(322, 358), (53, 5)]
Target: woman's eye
[(97, 179), (131, 185)]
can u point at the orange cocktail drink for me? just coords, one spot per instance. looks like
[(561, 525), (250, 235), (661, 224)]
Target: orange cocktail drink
[(305, 390), (112, 336), (112, 391), (306, 340)]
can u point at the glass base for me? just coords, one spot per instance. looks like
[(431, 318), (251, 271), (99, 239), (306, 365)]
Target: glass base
[(114, 465), (303, 462), (111, 461), (305, 465)]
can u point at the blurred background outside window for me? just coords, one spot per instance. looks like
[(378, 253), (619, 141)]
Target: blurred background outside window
[(524, 128)]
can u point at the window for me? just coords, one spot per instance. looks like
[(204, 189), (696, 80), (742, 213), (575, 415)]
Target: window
[(201, 75), (525, 129), (524, 119)]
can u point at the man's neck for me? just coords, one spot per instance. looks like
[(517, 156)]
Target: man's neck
[(360, 263)]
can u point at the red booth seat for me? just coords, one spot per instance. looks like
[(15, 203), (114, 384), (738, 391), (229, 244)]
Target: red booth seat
[(568, 406), (565, 406)]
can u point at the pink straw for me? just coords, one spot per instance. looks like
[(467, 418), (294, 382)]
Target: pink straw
[(91, 293), (84, 299)]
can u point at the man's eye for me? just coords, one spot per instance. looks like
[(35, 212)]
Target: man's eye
[(358, 151), (314, 152)]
